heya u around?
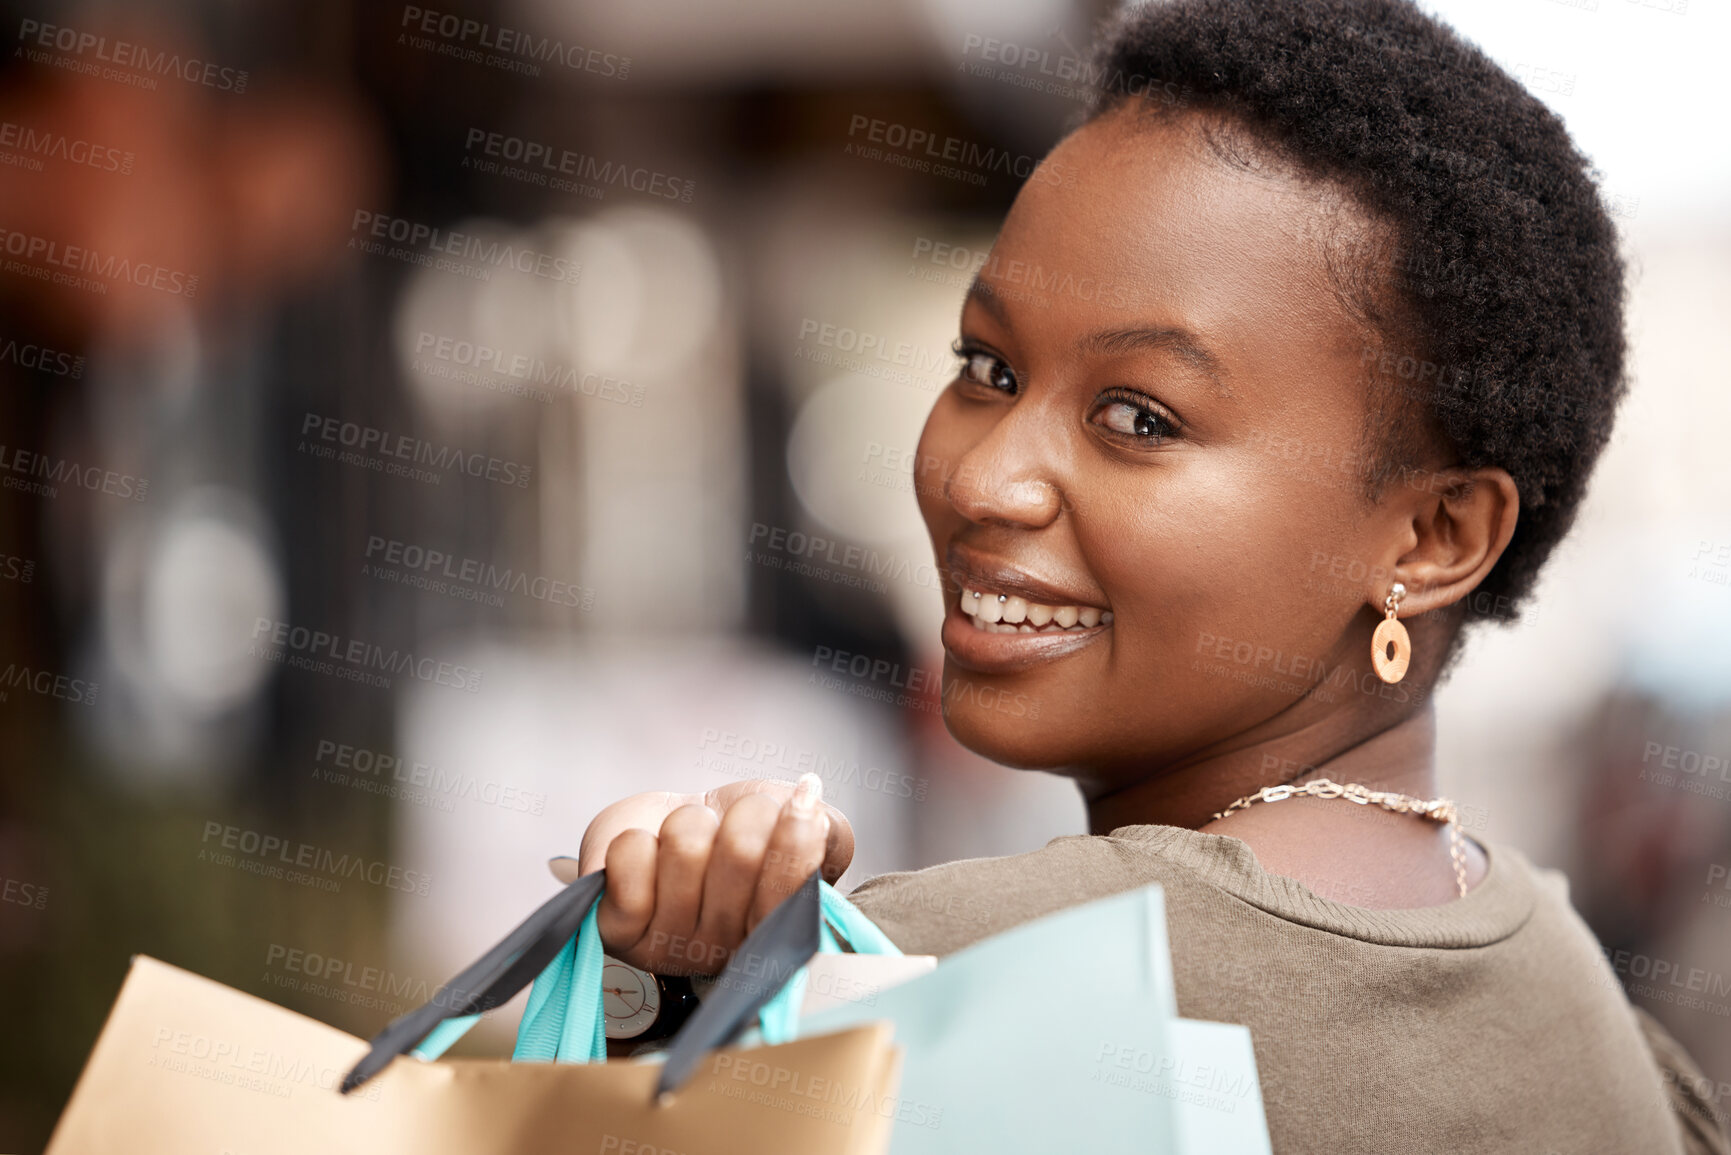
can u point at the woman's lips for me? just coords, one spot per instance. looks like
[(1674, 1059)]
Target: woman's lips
[(990, 652)]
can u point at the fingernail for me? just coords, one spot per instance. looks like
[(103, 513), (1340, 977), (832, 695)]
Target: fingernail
[(806, 795)]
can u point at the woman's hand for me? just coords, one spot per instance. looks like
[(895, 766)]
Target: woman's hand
[(681, 900)]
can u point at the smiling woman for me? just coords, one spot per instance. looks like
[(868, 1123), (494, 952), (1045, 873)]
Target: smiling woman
[(1135, 489), (1119, 460)]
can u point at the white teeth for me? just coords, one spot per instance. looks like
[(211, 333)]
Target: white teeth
[(1007, 614)]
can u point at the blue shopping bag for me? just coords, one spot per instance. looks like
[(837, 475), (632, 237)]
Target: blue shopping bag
[(1021, 1043)]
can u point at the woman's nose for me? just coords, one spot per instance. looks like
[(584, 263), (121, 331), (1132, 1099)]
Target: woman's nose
[(999, 481)]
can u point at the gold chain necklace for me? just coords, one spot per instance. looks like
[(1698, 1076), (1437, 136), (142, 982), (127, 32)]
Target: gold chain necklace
[(1437, 809)]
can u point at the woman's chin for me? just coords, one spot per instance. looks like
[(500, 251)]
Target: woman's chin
[(1021, 742)]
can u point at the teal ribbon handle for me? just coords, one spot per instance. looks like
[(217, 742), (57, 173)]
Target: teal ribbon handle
[(778, 1021), (563, 1021)]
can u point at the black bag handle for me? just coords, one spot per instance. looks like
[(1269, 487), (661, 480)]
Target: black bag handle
[(489, 981), (776, 948)]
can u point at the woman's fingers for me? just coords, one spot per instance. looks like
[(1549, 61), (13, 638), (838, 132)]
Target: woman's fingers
[(838, 853), (689, 876), (683, 859), (734, 868), (838, 844), (645, 811), (796, 847), (628, 904)]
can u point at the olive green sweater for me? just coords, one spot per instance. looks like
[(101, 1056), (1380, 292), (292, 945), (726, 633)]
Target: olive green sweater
[(1489, 1024)]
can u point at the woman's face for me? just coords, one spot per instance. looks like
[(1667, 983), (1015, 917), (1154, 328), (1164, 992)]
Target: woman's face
[(1156, 436)]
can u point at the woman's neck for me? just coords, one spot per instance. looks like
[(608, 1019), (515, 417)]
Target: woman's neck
[(1398, 757), (1360, 855)]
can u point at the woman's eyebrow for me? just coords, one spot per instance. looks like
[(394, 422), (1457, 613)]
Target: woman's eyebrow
[(980, 293), (1181, 342), (1115, 342)]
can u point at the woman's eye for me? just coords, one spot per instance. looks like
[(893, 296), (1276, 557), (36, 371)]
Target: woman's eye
[(1134, 420), (984, 369)]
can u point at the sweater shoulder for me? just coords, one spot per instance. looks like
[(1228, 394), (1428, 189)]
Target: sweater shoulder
[(944, 908)]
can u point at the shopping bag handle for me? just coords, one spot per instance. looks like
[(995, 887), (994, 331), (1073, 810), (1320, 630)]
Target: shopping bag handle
[(559, 945), (765, 977), (564, 1021), (488, 982), (779, 1018)]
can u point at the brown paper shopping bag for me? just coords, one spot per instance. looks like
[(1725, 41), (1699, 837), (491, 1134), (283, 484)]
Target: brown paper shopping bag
[(185, 1065)]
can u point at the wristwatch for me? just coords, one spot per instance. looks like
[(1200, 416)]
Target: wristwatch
[(639, 1006)]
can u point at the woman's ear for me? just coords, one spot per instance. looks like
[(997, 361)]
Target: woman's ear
[(1459, 526)]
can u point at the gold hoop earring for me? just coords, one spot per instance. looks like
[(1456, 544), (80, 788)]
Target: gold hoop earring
[(1390, 631)]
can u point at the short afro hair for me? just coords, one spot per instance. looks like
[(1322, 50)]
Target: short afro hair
[(1507, 279)]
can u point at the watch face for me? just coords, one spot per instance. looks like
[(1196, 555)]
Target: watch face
[(630, 999)]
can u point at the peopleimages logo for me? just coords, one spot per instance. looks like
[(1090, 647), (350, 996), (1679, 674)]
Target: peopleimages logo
[(358, 985), (415, 781), (873, 354), (269, 853), (47, 259), (406, 453), (16, 569), (544, 164), (47, 684), (1069, 74), (35, 145), (28, 355), (243, 1066), (351, 658), (795, 1090), (472, 573), (1016, 280), (922, 150), (463, 253), (514, 50), (859, 559), (23, 893), (1668, 981), (520, 366), (50, 472), (747, 756)]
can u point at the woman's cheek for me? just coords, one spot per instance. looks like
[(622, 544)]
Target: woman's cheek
[(934, 458)]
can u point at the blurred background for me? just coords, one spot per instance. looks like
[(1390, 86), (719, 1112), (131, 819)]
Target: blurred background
[(422, 426)]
